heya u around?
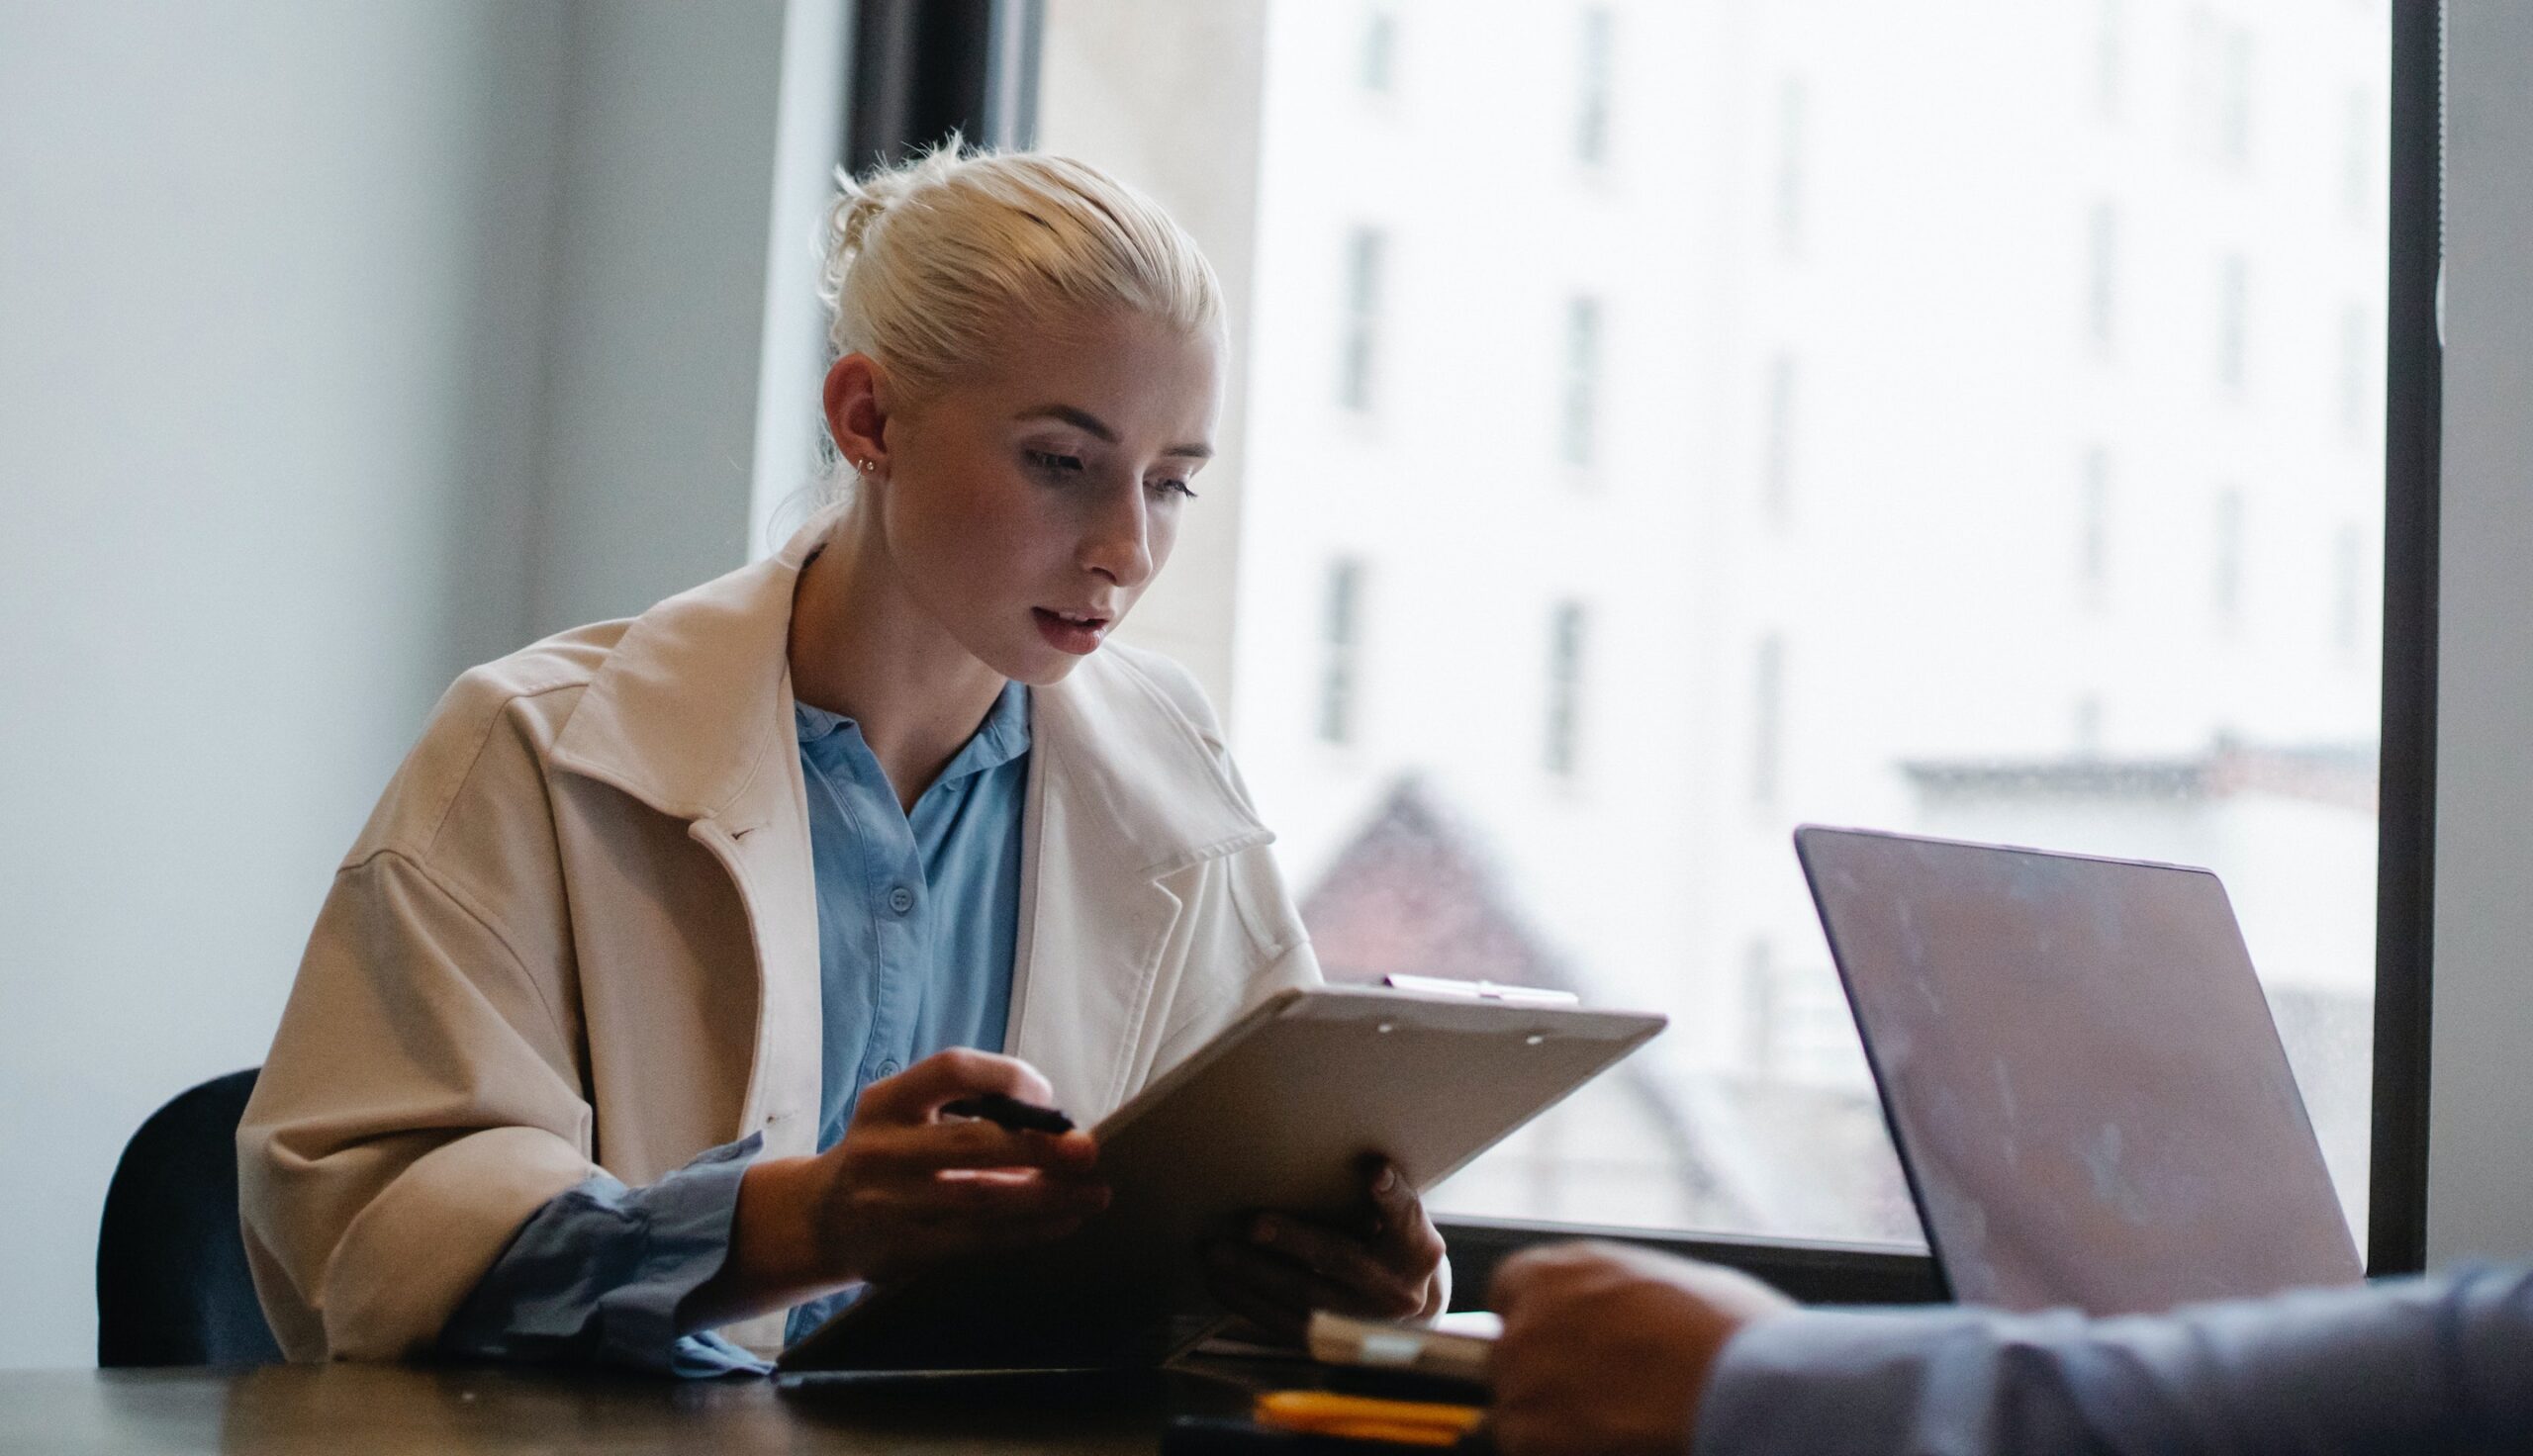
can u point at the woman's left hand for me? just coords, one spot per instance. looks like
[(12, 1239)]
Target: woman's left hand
[(1384, 1265)]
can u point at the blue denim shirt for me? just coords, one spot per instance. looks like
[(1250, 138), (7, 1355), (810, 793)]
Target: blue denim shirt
[(918, 918)]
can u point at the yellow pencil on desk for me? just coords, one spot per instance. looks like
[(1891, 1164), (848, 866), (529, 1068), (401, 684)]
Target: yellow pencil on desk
[(1363, 1418)]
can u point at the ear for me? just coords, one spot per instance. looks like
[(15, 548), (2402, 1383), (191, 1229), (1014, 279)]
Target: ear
[(857, 410)]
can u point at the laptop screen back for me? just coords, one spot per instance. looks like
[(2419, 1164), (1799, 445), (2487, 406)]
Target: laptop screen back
[(2081, 1074)]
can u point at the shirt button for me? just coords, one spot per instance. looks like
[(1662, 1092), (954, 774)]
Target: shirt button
[(901, 899), (889, 1068)]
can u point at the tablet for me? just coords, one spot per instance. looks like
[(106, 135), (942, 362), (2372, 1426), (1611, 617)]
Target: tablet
[(1276, 1113)]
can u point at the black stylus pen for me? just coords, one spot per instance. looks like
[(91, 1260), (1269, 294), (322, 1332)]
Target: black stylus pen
[(1011, 1112)]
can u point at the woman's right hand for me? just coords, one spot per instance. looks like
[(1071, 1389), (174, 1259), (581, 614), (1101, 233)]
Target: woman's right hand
[(906, 1188), (903, 1190)]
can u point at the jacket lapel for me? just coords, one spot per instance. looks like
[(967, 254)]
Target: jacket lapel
[(692, 715), (1125, 796)]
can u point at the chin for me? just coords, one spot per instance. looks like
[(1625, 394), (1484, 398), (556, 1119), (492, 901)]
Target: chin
[(1031, 662), (1044, 668)]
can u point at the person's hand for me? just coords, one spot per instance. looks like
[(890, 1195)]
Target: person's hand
[(1606, 1348), (905, 1189), (1382, 1263)]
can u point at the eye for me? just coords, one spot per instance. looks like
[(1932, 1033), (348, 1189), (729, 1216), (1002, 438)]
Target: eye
[(1055, 464), (1167, 487)]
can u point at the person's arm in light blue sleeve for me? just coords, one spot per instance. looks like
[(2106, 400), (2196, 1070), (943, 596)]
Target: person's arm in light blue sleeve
[(2445, 1366), (598, 1276)]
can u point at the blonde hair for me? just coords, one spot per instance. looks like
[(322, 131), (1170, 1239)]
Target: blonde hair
[(928, 260)]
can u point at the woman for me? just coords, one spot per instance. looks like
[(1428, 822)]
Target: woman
[(634, 1010)]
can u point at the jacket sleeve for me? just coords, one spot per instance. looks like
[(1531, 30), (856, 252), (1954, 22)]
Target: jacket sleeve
[(2414, 1367), (420, 1102)]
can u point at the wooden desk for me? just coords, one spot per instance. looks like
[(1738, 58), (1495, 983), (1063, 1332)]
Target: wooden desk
[(393, 1411)]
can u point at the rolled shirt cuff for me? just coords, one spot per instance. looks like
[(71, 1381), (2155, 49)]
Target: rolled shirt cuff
[(600, 1273)]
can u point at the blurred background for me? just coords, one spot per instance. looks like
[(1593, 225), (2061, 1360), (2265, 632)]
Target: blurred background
[(1655, 424)]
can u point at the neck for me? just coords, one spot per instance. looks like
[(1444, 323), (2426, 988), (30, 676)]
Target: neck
[(861, 646)]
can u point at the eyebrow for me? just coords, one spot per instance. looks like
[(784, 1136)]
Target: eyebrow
[(1090, 425)]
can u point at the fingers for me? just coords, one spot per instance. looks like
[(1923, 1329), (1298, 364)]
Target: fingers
[(963, 1143), (916, 1094), (1407, 1241), (1394, 1199), (1518, 1278), (1368, 1283), (1268, 1291)]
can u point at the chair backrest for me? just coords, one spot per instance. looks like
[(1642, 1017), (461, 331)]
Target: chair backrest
[(172, 1287)]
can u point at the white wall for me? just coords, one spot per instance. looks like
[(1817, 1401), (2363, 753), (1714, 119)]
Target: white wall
[(2481, 1101), (658, 303), (301, 304)]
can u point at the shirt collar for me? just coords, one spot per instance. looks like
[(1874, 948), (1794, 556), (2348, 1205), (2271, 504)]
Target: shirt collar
[(1002, 737)]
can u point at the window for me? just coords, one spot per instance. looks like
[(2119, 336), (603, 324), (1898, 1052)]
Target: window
[(2234, 118), (1592, 93), (2093, 529), (1790, 159), (2102, 277), (1768, 719), (1776, 462), (2089, 727), (2348, 593), (2360, 124), (2353, 344), (1884, 523), (2225, 590), (1359, 356), (1582, 381), (2108, 23), (1380, 45), (1340, 630), (2233, 323), (1565, 644)]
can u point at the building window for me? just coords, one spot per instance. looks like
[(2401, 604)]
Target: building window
[(1359, 356), (2234, 114), (1776, 461), (1760, 1015), (1341, 642), (2106, 58), (2203, 65), (2227, 584), (2093, 529), (2102, 276), (1592, 96), (1566, 631), (2234, 319), (2351, 369), (2348, 610), (1768, 719), (1580, 418), (1791, 105), (2357, 149), (1378, 56)]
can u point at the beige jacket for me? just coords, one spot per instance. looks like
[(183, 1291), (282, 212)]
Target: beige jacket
[(579, 933)]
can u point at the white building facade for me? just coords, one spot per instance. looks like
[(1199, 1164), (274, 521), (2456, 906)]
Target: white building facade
[(1661, 422)]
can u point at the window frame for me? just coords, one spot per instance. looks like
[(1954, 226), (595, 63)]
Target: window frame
[(974, 68)]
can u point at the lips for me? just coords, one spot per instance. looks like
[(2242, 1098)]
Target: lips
[(1079, 633)]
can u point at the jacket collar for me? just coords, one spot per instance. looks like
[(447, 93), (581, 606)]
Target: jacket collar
[(693, 695), (687, 708)]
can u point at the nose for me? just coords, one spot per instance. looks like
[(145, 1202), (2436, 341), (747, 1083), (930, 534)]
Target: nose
[(1117, 543)]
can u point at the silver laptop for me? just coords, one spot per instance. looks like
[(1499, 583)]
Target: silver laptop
[(2080, 1072)]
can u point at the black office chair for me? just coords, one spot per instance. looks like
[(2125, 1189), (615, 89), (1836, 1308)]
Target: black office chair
[(172, 1287)]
